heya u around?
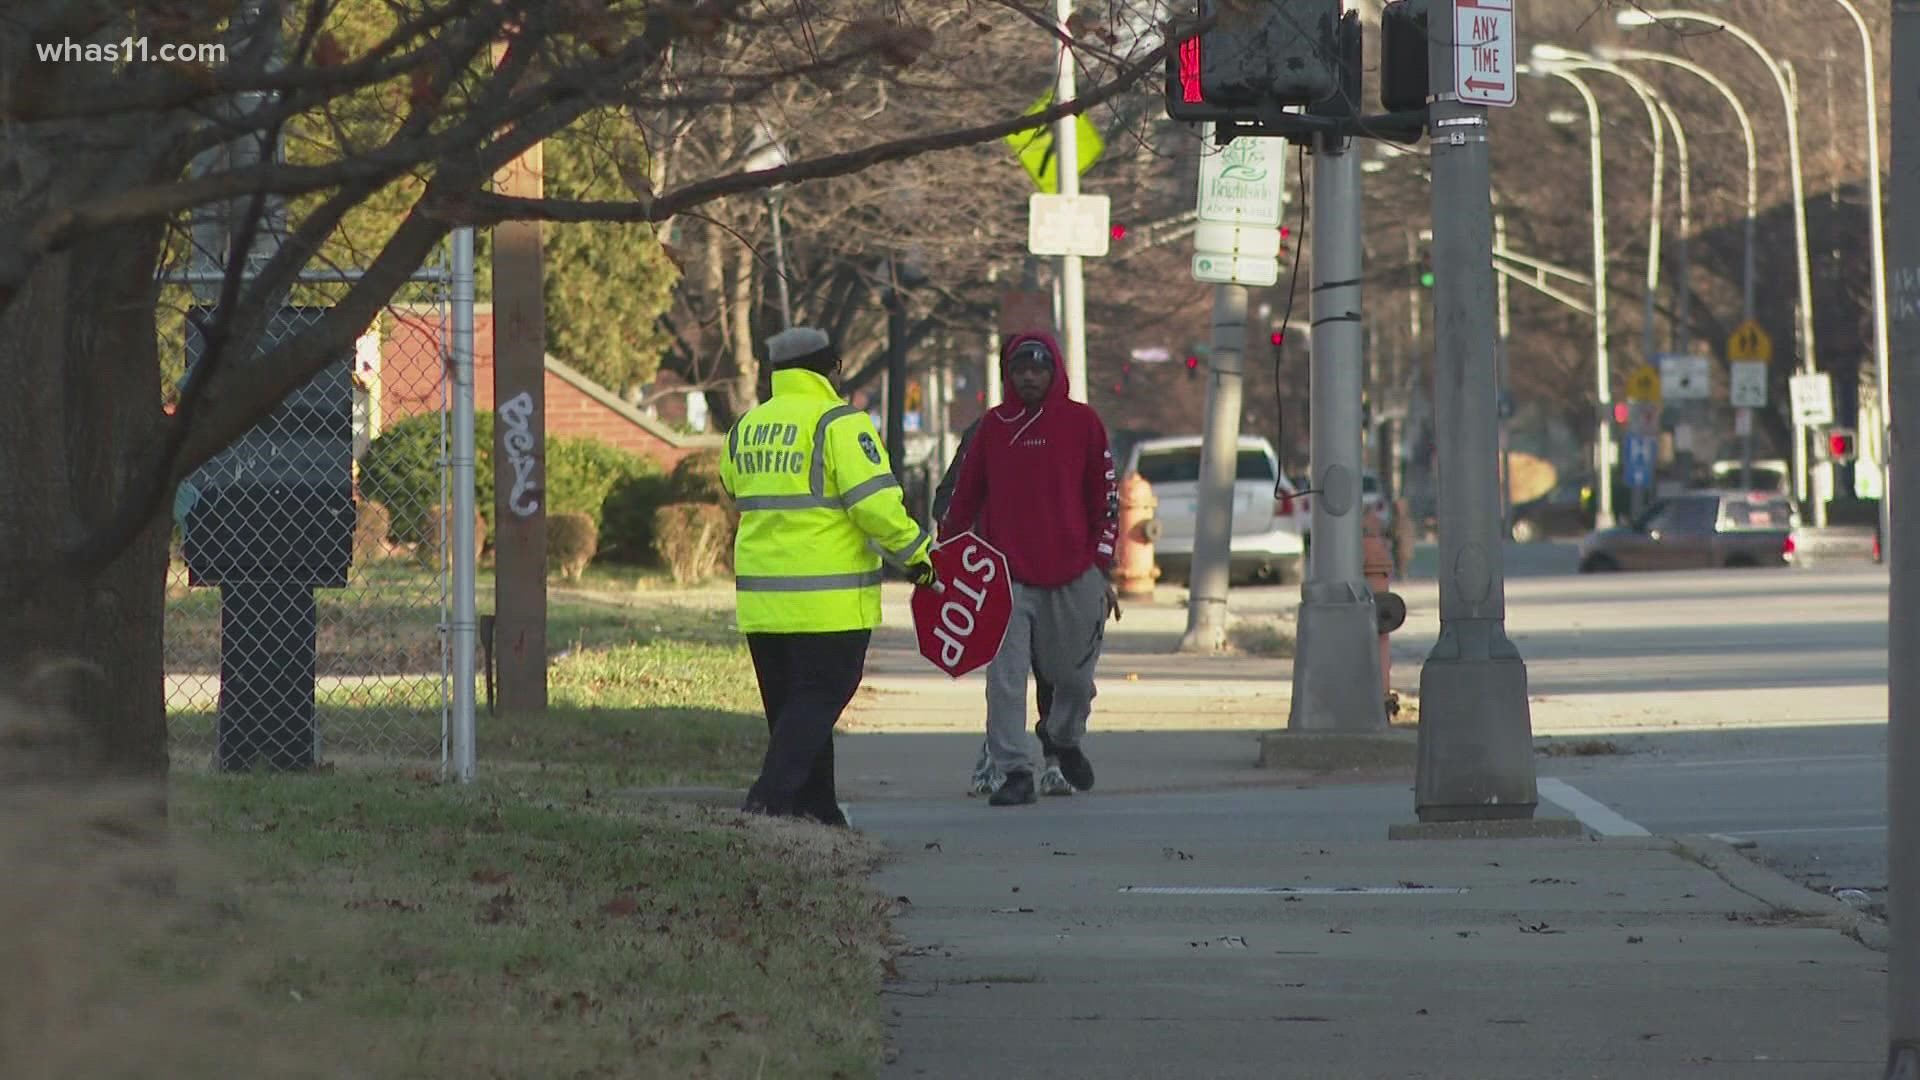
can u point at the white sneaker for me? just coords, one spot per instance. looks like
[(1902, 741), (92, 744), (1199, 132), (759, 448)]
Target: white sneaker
[(1054, 782), (986, 779)]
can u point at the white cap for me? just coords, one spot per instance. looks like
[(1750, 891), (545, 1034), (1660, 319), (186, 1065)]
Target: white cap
[(790, 345)]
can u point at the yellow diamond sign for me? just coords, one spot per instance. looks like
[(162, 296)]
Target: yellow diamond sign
[(1034, 147), (1643, 384), (1749, 342)]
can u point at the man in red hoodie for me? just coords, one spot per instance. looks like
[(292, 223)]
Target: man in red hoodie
[(1040, 478)]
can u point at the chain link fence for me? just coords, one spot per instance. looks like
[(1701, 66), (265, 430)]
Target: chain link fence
[(308, 595)]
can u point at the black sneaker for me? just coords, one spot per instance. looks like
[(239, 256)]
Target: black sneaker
[(1016, 791), (1075, 767)]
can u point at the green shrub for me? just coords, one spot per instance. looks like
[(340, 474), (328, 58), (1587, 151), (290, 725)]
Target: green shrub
[(696, 479), (370, 531), (626, 517), (691, 539), (572, 540), (402, 470)]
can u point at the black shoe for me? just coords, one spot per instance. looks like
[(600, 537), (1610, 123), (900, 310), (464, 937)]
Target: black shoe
[(1076, 768), (1016, 791)]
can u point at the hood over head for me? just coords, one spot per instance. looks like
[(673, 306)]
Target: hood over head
[(1057, 391)]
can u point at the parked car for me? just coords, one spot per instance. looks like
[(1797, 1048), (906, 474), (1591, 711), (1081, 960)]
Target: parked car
[(1567, 510), (1767, 474), (1696, 530), (1809, 546), (1266, 546)]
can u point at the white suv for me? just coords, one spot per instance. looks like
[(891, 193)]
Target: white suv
[(1266, 543)]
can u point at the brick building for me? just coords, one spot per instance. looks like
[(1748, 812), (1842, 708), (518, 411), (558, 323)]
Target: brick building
[(409, 377)]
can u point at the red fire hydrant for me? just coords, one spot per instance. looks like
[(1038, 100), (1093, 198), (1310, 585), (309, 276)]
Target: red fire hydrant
[(1133, 563), (1389, 609)]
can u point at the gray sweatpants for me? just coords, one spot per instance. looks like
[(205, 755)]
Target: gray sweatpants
[(1059, 630)]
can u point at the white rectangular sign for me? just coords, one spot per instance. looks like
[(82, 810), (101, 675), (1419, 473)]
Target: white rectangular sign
[(1067, 225), (1228, 270), (1747, 385), (1685, 378), (1812, 396), (1256, 242), (1244, 182), (1483, 51)]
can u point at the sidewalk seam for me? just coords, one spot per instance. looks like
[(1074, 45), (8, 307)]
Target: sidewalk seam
[(1778, 892)]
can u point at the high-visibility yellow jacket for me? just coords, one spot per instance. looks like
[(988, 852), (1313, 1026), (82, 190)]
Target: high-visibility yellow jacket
[(818, 506)]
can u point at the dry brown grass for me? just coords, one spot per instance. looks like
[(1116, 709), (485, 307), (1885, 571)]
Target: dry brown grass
[(104, 968)]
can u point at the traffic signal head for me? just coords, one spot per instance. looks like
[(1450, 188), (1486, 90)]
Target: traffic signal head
[(1278, 337), (1842, 445), (1281, 52), (1193, 364), (1620, 412), (1426, 270), (1117, 231)]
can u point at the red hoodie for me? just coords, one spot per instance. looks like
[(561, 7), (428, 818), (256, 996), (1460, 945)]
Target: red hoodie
[(1039, 483)]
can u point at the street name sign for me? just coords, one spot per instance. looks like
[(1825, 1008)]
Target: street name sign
[(1231, 270)]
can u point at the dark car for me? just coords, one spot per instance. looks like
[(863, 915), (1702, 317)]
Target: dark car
[(1696, 530), (1567, 510)]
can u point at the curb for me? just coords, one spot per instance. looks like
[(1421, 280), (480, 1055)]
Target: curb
[(1779, 892)]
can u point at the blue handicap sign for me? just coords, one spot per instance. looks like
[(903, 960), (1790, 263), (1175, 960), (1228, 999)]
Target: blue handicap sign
[(1639, 454)]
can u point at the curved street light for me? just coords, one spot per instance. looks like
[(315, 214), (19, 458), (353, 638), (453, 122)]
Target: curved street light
[(1617, 55), (1552, 58), (1602, 374), (1636, 17)]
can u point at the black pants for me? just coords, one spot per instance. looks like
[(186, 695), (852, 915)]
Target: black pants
[(806, 680)]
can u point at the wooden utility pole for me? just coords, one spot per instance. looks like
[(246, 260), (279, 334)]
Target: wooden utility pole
[(519, 446)]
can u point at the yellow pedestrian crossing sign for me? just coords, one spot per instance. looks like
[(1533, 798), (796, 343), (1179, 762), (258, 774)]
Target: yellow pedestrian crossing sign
[(1749, 342), (1644, 384), (1034, 147)]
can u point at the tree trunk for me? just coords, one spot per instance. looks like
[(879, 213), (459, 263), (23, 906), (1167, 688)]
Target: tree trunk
[(78, 429)]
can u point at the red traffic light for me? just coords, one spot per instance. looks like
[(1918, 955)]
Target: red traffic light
[(1841, 445), (1193, 363), (1278, 337), (1117, 231), (1286, 233), (1620, 412)]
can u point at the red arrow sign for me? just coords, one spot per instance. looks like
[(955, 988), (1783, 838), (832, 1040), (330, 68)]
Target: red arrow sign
[(961, 622), (1482, 84)]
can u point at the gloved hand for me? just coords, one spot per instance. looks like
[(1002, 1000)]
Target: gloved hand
[(924, 576)]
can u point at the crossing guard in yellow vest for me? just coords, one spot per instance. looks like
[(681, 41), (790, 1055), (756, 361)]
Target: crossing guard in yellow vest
[(819, 508)]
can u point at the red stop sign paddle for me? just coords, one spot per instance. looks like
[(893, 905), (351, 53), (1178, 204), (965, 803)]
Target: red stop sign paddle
[(961, 621)]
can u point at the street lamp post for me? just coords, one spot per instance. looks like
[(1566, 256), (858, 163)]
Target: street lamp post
[(1877, 229), (1637, 17), (1602, 374), (1746, 133)]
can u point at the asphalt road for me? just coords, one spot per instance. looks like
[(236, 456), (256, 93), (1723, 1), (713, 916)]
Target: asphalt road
[(1746, 703)]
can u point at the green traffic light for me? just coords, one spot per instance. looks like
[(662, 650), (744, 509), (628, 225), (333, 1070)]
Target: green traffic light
[(1426, 279)]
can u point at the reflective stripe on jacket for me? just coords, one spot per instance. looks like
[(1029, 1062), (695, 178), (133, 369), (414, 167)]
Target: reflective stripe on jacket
[(818, 505)]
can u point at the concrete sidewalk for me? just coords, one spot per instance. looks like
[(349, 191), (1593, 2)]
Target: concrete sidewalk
[(1137, 930)]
